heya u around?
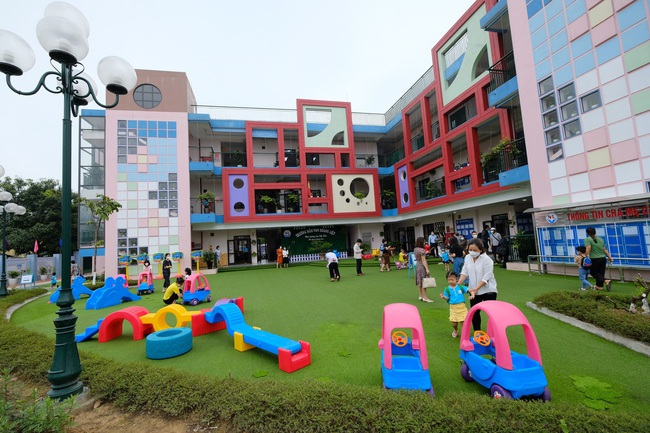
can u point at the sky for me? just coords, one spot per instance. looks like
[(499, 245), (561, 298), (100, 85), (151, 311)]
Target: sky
[(245, 53)]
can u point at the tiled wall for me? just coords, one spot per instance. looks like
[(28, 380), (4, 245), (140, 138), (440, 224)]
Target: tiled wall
[(602, 50)]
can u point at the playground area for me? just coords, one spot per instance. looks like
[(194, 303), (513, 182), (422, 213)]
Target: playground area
[(343, 322)]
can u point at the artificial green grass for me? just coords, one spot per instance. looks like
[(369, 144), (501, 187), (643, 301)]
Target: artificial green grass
[(342, 321)]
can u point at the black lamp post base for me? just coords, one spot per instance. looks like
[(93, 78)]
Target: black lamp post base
[(61, 392)]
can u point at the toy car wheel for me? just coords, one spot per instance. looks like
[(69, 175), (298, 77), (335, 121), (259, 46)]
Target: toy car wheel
[(466, 373), (194, 302), (497, 391), (209, 298), (546, 395), (150, 291), (431, 392)]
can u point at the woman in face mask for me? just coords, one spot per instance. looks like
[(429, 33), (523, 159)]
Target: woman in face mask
[(479, 269)]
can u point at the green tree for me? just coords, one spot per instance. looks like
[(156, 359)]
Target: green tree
[(101, 209), (42, 221)]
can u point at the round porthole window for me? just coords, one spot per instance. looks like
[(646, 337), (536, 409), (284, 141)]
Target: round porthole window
[(147, 96)]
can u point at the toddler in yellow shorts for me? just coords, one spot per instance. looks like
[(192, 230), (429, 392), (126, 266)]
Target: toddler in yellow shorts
[(455, 296)]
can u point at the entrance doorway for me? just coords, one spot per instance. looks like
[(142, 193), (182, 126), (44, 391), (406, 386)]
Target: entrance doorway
[(239, 250)]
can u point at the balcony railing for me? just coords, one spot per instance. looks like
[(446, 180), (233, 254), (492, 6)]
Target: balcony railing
[(502, 71), (510, 158), (431, 189)]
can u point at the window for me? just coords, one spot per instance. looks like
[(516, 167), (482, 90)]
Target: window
[(553, 136), (554, 153), (567, 93), (548, 102), (591, 101), (147, 96), (550, 119), (572, 129), (569, 110), (462, 113), (545, 86), (456, 51), (313, 159)]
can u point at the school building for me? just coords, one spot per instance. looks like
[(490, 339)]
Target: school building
[(451, 155)]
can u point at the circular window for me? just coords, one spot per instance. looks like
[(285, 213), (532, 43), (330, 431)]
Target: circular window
[(342, 193), (340, 182), (239, 207), (402, 175), (359, 185), (238, 183), (147, 96), (406, 198)]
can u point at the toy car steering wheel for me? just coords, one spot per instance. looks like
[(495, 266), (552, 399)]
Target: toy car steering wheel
[(400, 338), (482, 338)]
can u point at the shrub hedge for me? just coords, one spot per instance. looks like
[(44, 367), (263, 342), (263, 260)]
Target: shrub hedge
[(311, 406), (595, 308)]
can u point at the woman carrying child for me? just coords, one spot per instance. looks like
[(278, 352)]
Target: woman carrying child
[(455, 296)]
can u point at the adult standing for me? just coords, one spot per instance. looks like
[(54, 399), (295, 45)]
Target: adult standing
[(421, 268), (333, 266), (485, 236), (167, 270), (479, 269), (456, 253), (495, 237), (599, 256), (358, 256), (285, 257), (278, 259), (386, 252), (433, 243), (217, 257)]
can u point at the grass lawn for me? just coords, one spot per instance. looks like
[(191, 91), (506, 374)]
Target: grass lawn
[(342, 321)]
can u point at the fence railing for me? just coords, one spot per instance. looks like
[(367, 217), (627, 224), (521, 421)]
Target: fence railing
[(541, 262), (502, 71), (510, 158)]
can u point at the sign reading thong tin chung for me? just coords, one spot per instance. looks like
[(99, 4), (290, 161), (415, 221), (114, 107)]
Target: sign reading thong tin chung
[(597, 214), (299, 239)]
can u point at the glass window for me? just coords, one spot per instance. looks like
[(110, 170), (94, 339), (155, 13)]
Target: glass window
[(121, 159), (591, 101), (550, 119), (545, 86), (553, 136), (569, 110), (567, 93), (121, 233), (572, 129), (554, 153), (153, 195), (162, 186), (548, 102), (147, 96)]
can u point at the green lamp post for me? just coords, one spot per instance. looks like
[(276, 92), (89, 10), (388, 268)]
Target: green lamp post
[(63, 32)]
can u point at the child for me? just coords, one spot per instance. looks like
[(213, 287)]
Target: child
[(454, 295), (446, 260), (53, 281), (583, 272), (402, 258)]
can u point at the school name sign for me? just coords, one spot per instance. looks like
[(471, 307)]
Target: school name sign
[(299, 239)]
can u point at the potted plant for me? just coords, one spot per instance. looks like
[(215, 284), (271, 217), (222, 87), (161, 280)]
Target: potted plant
[(388, 199), (208, 258), (293, 202), (370, 160), (360, 195), (206, 198), (320, 247), (238, 158), (13, 277), (267, 201), (43, 271)]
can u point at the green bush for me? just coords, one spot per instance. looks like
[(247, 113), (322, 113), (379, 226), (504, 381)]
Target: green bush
[(598, 309)]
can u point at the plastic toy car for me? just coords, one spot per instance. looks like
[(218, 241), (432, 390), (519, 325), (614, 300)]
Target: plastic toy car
[(488, 360), (196, 289), (404, 363)]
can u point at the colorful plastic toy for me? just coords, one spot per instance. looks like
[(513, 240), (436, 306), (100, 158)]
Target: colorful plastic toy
[(78, 289), (196, 289), (505, 373), (404, 363), (113, 293), (145, 283)]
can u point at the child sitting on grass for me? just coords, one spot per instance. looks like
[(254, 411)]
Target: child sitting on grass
[(455, 296), (583, 271)]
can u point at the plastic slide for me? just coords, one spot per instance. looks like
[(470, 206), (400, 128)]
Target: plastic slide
[(89, 332)]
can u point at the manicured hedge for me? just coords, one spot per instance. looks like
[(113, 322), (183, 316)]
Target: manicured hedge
[(595, 308)]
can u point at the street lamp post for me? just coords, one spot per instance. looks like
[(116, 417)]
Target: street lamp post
[(7, 208), (63, 32)]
